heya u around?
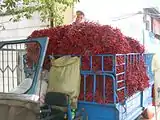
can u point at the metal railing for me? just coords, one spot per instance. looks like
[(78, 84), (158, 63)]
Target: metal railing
[(11, 66)]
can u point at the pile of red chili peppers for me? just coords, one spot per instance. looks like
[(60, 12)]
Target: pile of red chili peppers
[(90, 39)]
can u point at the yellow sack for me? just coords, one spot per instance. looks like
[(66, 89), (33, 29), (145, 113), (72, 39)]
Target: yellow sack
[(64, 77)]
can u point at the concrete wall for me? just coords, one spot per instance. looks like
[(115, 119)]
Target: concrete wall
[(22, 29)]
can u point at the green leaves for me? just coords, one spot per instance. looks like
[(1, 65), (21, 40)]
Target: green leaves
[(48, 9)]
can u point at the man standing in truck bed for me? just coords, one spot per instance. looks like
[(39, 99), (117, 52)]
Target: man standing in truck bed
[(80, 17)]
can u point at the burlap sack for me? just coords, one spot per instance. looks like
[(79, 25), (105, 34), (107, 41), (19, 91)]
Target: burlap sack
[(64, 77)]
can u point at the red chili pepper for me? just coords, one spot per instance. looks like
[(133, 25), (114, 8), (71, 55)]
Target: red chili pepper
[(90, 39)]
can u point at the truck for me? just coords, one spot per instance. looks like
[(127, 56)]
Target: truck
[(21, 93)]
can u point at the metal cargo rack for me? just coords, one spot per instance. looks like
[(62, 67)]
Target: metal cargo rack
[(132, 107)]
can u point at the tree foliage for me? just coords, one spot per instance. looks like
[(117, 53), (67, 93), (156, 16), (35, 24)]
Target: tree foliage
[(48, 9)]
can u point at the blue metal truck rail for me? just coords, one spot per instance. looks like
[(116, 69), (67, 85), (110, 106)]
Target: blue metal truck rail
[(133, 106)]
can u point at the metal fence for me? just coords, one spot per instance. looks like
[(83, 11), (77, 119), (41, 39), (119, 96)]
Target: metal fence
[(11, 66)]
